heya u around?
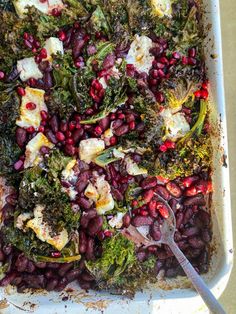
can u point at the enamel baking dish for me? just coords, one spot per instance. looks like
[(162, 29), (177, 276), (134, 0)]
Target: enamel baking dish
[(172, 296)]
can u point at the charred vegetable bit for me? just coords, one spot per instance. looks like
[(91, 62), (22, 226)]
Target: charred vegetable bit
[(103, 114)]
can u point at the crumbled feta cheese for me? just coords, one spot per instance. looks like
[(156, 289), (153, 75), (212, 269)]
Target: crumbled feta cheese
[(31, 117), (116, 221), (21, 219), (42, 230), (72, 193), (132, 168), (139, 54), (175, 124), (91, 192), (28, 68), (88, 149), (162, 8), (53, 45), (32, 152), (68, 173), (105, 201), (44, 7)]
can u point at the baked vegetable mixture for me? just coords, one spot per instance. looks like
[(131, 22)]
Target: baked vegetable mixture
[(103, 107)]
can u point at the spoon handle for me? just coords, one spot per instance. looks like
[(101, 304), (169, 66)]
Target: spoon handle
[(198, 283)]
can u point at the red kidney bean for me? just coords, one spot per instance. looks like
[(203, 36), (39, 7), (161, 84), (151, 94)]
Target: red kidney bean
[(123, 129), (183, 245), (177, 236), (187, 215), (86, 216), (158, 266), (175, 205), (109, 61), (2, 256), (78, 44), (204, 217), (30, 268), (54, 123), (174, 189), (126, 220), (11, 199), (61, 284), (21, 137), (104, 123), (149, 183), (82, 181), (86, 285), (192, 231), (95, 225), (69, 150), (16, 281), (72, 274), (179, 219), (51, 136), (155, 232), (82, 242), (49, 274), (87, 276), (64, 268), (77, 135), (7, 279), (206, 235), (51, 284), (53, 265), (195, 200), (162, 191), (141, 221), (35, 281), (7, 249), (161, 254), (117, 194), (196, 242), (116, 124), (21, 263), (90, 249), (48, 80), (40, 265)]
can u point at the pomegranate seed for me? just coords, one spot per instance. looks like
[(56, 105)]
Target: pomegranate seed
[(108, 233), (170, 144), (60, 136), (37, 59), (43, 123), (68, 134), (176, 55), (148, 195), (41, 128), (113, 140), (192, 191), (160, 65), (76, 25), (205, 85), (192, 52), (44, 115), (18, 165), (30, 106), (34, 50), (101, 235), (153, 82), (22, 158), (132, 125), (198, 93), (61, 35), (159, 97), (163, 210), (43, 53), (28, 44), (192, 61), (152, 205), (20, 91), (134, 203), (152, 249), (204, 94), (164, 60), (55, 12), (26, 35), (121, 116), (78, 126), (32, 82), (72, 125), (112, 116), (2, 75), (30, 129), (56, 254), (184, 60), (98, 130), (70, 141), (154, 73), (163, 148), (37, 44), (173, 61), (143, 212), (79, 64), (161, 73)]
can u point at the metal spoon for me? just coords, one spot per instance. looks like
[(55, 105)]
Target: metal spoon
[(167, 237)]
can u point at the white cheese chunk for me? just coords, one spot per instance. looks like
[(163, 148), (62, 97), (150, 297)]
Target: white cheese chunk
[(43, 230), (44, 7), (32, 152), (88, 149), (31, 117), (68, 173), (21, 219), (116, 221), (132, 168), (91, 192), (117, 153), (105, 201), (139, 54), (53, 45), (161, 8), (28, 68), (175, 124)]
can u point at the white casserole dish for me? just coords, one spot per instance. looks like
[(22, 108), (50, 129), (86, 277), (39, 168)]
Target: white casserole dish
[(155, 299)]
